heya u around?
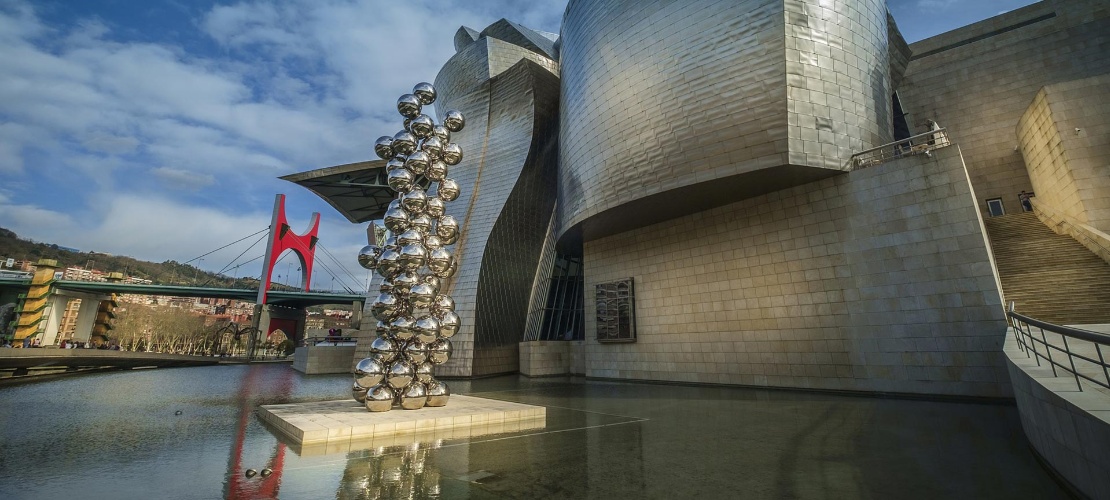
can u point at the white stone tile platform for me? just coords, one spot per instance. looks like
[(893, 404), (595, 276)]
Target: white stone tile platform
[(342, 422)]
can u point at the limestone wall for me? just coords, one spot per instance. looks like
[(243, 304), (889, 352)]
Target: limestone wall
[(878, 280), (1063, 137)]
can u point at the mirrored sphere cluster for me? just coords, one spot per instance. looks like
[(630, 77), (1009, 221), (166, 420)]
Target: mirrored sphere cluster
[(416, 319)]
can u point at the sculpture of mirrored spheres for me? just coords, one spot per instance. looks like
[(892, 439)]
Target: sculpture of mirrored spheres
[(415, 315)]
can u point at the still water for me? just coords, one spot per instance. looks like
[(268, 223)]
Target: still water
[(191, 433)]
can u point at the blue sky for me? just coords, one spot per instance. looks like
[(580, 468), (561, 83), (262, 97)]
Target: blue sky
[(158, 128)]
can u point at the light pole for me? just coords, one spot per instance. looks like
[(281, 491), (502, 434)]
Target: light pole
[(287, 266)]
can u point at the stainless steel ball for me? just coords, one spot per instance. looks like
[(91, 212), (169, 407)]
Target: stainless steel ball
[(448, 190), (395, 163), (425, 92), (414, 397), (404, 143), (369, 372), (401, 180), (389, 263), (439, 351), (385, 307), (427, 329), (380, 398), (384, 349), (400, 374), (383, 147), (421, 295), (431, 241), (409, 106), (416, 352), (421, 126), (444, 303), (452, 153), (425, 372), (401, 328), (381, 329), (410, 236), (442, 133), (437, 170), (396, 219), (433, 281), (436, 207), (403, 282), (438, 261), (417, 162), (447, 228), (453, 120), (413, 256), (358, 392), (368, 257), (449, 323), (433, 146), (421, 223), (438, 393)]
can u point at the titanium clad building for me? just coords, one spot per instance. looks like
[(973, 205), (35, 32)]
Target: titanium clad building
[(674, 191)]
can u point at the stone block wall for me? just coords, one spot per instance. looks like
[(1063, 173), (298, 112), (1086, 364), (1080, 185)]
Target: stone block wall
[(314, 360), (543, 358), (1063, 136), (877, 280)]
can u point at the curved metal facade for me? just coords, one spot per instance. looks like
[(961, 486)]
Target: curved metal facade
[(509, 93), (672, 107)]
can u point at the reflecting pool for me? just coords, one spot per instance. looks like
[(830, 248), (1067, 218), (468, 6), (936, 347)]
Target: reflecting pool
[(192, 433)]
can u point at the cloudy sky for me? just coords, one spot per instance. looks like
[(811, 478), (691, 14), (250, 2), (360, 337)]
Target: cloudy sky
[(158, 128)]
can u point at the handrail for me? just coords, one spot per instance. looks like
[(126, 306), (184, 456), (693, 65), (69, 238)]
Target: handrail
[(1028, 342), (922, 143), (1062, 221)]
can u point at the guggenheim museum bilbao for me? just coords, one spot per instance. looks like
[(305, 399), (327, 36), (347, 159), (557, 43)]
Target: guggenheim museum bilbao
[(698, 191)]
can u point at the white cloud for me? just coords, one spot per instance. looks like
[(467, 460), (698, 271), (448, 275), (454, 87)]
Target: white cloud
[(183, 179)]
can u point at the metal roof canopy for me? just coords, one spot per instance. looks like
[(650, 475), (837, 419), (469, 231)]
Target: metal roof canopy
[(357, 190)]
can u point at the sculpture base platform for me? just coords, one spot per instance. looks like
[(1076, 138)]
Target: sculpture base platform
[(341, 422)]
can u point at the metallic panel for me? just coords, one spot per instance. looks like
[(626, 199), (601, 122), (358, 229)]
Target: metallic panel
[(663, 95)]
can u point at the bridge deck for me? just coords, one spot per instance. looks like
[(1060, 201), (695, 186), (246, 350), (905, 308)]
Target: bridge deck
[(78, 358)]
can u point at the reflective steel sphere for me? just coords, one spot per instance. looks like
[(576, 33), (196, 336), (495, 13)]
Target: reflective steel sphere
[(414, 397), (409, 237), (435, 207), (438, 260), (395, 163), (401, 328), (438, 392), (442, 133), (381, 329), (380, 398), (359, 393), (448, 190), (433, 146), (396, 219), (439, 351), (448, 324), (425, 371), (437, 170), (452, 154), (368, 257), (369, 372), (425, 92), (444, 303), (447, 228), (421, 223), (409, 106), (427, 329), (413, 256), (416, 352), (400, 375), (431, 241), (401, 180), (385, 307), (403, 282), (417, 162), (404, 143), (383, 147), (385, 349), (421, 295), (421, 126), (389, 263), (433, 281), (453, 120)]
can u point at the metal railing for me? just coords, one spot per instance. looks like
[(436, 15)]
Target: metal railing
[(1061, 224), (326, 341), (920, 144), (1065, 357)]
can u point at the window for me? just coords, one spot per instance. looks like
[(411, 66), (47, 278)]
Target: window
[(616, 311), (994, 205)]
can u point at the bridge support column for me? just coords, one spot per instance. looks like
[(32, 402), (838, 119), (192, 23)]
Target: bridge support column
[(86, 318), (56, 309), (290, 320), (106, 310), (33, 305)]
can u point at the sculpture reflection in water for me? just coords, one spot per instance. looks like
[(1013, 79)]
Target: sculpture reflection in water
[(399, 471), (415, 318)]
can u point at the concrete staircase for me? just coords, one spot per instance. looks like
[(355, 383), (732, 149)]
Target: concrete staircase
[(1051, 277)]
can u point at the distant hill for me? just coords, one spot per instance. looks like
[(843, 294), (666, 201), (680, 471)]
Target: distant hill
[(166, 273)]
